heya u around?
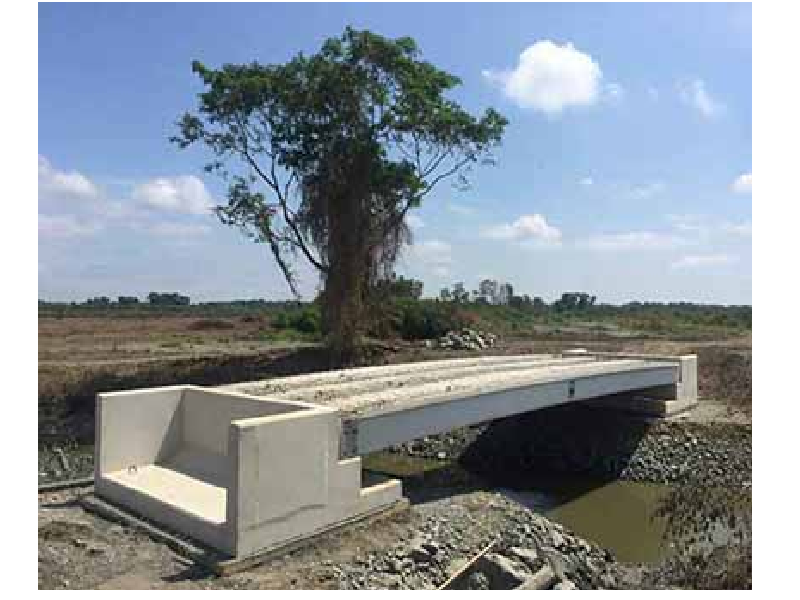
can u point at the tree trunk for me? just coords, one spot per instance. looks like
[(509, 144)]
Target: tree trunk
[(343, 296)]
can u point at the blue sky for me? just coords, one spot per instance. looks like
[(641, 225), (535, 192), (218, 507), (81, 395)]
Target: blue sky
[(625, 170)]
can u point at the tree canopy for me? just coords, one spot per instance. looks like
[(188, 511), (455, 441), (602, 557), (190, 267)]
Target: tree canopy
[(326, 154)]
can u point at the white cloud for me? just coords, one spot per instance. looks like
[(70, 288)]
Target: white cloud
[(433, 253), (634, 240), (743, 184), (65, 226), (61, 184), (414, 222), (702, 260), (182, 194), (652, 92), (705, 227), (525, 228), (695, 94), (586, 181), (550, 78)]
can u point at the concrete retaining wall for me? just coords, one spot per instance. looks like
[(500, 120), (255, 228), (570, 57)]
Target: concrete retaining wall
[(237, 473)]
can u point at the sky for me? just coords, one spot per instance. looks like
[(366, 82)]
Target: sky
[(625, 169)]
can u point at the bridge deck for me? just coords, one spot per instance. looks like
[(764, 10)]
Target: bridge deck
[(367, 391)]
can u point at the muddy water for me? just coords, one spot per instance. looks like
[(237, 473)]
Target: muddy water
[(620, 516), (616, 515)]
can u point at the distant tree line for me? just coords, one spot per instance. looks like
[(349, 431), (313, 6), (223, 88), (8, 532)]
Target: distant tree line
[(167, 299), (406, 294), (153, 298)]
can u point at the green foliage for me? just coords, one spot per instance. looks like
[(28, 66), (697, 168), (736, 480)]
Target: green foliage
[(167, 299), (574, 301), (306, 320), (425, 319), (327, 153), (398, 287), (399, 316)]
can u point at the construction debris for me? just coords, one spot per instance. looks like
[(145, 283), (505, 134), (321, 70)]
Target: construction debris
[(467, 339)]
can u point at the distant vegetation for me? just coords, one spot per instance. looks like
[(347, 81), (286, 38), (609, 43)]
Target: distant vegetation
[(399, 312)]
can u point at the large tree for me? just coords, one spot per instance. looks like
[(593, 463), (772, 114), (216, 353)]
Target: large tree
[(326, 154)]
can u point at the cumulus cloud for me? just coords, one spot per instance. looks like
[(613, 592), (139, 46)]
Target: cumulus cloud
[(550, 78), (182, 194), (65, 226), (743, 184), (525, 228), (695, 94), (702, 260), (64, 184)]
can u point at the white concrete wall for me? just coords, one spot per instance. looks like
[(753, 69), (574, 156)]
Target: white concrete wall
[(207, 415), (289, 481), (136, 428), (686, 389), (276, 462)]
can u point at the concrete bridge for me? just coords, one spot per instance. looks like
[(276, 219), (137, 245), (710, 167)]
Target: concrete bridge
[(250, 467)]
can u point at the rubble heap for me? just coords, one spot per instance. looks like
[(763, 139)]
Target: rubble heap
[(467, 339)]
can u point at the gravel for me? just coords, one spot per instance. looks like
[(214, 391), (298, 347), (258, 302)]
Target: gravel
[(589, 442), (65, 460), (455, 529)]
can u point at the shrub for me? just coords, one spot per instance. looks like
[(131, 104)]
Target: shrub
[(424, 320), (306, 321)]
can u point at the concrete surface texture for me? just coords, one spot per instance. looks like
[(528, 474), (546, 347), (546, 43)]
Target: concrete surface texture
[(249, 467), (237, 473)]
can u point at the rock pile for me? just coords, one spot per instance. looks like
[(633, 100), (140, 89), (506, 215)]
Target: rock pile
[(444, 446), (586, 441), (530, 552), (467, 339)]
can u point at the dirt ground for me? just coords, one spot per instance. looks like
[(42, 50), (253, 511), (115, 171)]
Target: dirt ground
[(78, 550)]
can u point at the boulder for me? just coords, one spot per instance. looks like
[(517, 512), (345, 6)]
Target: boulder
[(502, 572)]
